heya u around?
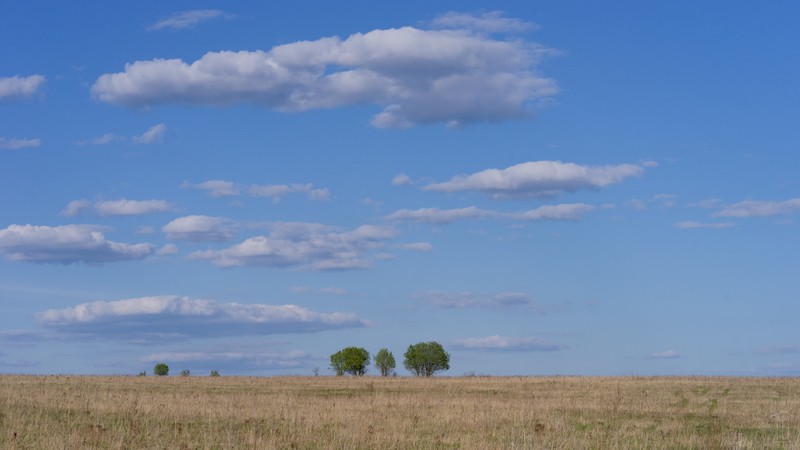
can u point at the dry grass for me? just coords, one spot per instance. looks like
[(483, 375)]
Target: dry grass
[(58, 412)]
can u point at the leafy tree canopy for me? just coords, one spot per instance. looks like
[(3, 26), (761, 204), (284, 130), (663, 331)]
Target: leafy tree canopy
[(352, 360), (384, 360), (426, 358)]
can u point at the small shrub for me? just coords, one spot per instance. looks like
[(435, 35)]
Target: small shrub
[(185, 373), (214, 373), (161, 369)]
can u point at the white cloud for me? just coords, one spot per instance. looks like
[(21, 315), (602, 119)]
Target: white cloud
[(667, 354), (401, 179), (417, 76), (215, 188), (234, 361), (303, 245), (416, 246), (66, 244), (168, 249), (188, 19), (333, 290), (538, 179), (438, 216), (175, 317), (199, 228), (105, 139), (688, 225), (567, 211), (277, 191), (464, 300), (16, 144), (153, 135), (492, 22), (75, 207), (124, 207), (20, 87), (754, 208), (497, 342)]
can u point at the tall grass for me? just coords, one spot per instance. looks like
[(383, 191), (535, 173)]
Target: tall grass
[(62, 412)]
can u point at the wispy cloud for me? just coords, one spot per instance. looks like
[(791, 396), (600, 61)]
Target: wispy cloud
[(17, 144), (666, 354), (188, 19), (567, 211), (171, 317), (215, 188), (691, 225), (455, 76), (538, 179), (66, 244), (505, 343), (755, 208), (153, 135), (491, 21), (18, 87), (497, 300)]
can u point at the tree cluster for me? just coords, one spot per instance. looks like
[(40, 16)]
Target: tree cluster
[(422, 359)]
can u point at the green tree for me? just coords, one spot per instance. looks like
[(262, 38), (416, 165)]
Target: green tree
[(384, 360), (161, 369), (352, 360), (214, 373), (426, 358)]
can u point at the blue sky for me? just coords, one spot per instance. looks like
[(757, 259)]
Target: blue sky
[(543, 187)]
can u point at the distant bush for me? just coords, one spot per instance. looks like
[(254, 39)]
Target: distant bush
[(161, 369), (214, 373), (143, 373), (185, 373)]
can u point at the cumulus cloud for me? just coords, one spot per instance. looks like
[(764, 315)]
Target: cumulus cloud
[(491, 22), (199, 229), (567, 211), (215, 188), (153, 135), (455, 76), (188, 19), (18, 87), (66, 244), (17, 144), (755, 208), (125, 207), (234, 361), (690, 225), (175, 317), (538, 179), (497, 342), (303, 245)]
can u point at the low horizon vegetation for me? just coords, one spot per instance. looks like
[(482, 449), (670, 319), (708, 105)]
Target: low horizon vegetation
[(115, 412)]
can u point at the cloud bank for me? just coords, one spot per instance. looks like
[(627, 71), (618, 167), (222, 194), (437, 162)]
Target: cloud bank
[(538, 179), (497, 342), (455, 76), (303, 245), (170, 317), (66, 244)]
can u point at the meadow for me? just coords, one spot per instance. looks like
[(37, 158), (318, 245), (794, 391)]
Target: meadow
[(90, 412)]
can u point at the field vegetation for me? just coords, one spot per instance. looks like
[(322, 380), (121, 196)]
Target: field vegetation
[(190, 412)]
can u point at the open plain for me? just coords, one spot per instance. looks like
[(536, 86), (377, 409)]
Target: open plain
[(88, 412)]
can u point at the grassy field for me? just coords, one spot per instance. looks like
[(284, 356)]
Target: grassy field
[(63, 412)]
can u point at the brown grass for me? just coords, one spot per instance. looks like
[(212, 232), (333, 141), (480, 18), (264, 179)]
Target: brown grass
[(62, 412)]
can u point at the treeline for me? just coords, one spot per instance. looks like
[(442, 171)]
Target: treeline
[(422, 359)]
